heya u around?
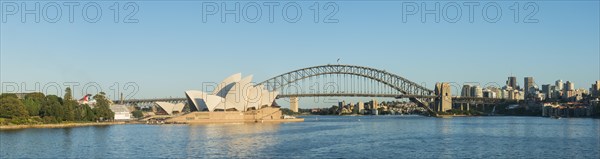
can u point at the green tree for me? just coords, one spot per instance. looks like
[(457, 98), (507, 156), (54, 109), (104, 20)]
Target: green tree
[(381, 111), (33, 103), (78, 113), (12, 107), (137, 114), (102, 108), (33, 107), (69, 106), (89, 113), (287, 111), (68, 94), (69, 110), (52, 106), (6, 95), (333, 110), (36, 96)]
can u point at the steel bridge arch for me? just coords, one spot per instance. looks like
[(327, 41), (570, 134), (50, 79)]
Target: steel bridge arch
[(403, 85)]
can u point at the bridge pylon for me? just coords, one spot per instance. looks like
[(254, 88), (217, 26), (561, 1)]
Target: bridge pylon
[(294, 104), (443, 101)]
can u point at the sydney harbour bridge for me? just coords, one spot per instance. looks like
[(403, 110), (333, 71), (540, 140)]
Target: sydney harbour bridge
[(346, 81)]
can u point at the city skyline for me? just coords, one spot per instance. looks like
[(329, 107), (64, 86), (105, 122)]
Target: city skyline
[(299, 79), (171, 41)]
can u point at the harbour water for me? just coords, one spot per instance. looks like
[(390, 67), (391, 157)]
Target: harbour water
[(319, 137)]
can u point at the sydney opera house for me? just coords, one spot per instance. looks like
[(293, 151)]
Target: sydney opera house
[(232, 94), (170, 108), (235, 99)]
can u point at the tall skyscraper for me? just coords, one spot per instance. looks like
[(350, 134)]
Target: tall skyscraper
[(341, 104), (466, 91), (360, 107), (595, 91), (570, 86), (374, 104), (529, 85), (569, 90), (546, 89), (476, 91), (559, 85), (512, 82)]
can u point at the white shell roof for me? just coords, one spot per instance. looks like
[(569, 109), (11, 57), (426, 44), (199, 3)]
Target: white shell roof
[(223, 88), (234, 92), (170, 107)]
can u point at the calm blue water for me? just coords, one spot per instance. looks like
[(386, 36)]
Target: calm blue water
[(327, 137)]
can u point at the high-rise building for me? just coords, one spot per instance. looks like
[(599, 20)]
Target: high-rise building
[(569, 86), (512, 82), (504, 94), (519, 95), (375, 107), (476, 91), (374, 104), (360, 107), (497, 92), (341, 104), (558, 89), (559, 85), (466, 91), (488, 93), (547, 90), (512, 94), (569, 90), (595, 90), (529, 86)]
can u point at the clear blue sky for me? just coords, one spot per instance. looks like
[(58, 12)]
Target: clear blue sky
[(171, 49)]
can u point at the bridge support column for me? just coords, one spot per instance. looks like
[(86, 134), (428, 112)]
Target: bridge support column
[(443, 102), (294, 104)]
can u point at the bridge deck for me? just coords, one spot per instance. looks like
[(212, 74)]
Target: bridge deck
[(454, 99)]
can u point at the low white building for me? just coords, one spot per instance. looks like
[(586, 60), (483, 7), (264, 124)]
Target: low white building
[(121, 112)]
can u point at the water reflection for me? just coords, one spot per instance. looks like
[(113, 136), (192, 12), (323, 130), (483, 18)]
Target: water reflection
[(444, 134), (68, 143), (232, 140), (338, 137), (101, 140)]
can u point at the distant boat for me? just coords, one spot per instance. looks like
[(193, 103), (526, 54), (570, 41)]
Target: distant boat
[(555, 117)]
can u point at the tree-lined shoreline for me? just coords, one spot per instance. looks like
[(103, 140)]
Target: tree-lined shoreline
[(61, 125), (37, 109)]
